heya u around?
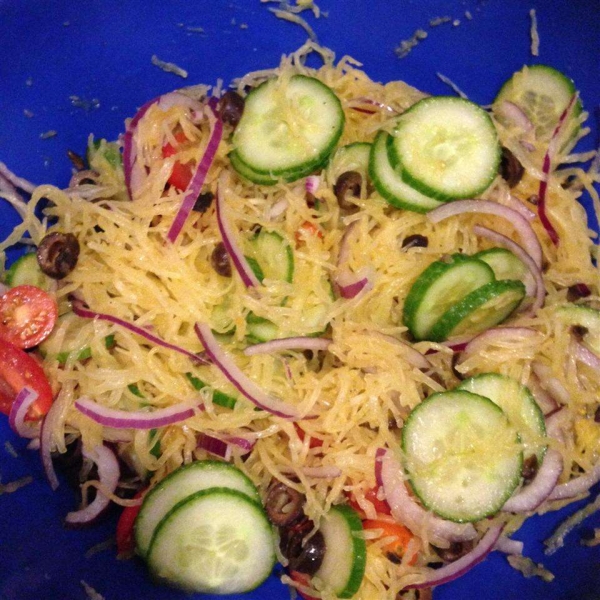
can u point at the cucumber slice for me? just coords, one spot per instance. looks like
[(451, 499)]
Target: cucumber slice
[(352, 157), (259, 329), (441, 286), (462, 456), (74, 341), (542, 93), (215, 541), (343, 566), (26, 271), (518, 404), (504, 263), (219, 398), (578, 315), (273, 255), (481, 309), (288, 127), (185, 481), (390, 184), (446, 148)]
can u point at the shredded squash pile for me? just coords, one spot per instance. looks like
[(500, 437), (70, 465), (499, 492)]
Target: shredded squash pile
[(363, 387)]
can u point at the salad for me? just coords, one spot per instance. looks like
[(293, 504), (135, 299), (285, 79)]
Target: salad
[(318, 320)]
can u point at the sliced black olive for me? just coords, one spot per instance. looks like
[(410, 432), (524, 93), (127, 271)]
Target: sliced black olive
[(348, 183), (303, 557), (203, 202), (283, 504), (597, 415), (230, 108), (577, 291), (77, 160), (455, 551), (219, 259), (510, 168), (57, 254), (529, 468), (415, 241)]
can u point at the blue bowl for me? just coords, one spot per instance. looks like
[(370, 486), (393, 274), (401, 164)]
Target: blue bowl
[(82, 67)]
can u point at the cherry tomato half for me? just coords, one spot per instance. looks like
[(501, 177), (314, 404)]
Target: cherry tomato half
[(125, 524), (17, 370), (381, 506), (181, 175), (27, 316)]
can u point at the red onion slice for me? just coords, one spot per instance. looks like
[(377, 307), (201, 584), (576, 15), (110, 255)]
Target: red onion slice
[(374, 105), (291, 343), (46, 447), (18, 411), (550, 383), (545, 401), (405, 510), (244, 384), (517, 205), (576, 486), (533, 495), (81, 310), (195, 185), (583, 354), (351, 284), (508, 546), (413, 356), (499, 335), (546, 168), (312, 183), (15, 180), (530, 242), (511, 112), (214, 446), (229, 240), (122, 419), (344, 251), (459, 567), (108, 475)]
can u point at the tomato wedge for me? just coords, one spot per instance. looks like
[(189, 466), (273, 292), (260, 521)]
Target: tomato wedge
[(399, 536), (27, 316), (381, 506), (181, 175), (125, 524), (17, 370)]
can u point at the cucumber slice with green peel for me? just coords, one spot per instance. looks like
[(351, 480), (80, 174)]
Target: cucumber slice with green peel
[(462, 456), (215, 541), (446, 148), (352, 157), (389, 183), (73, 341), (247, 173), (218, 397), (344, 561), (518, 404), (103, 150), (180, 484), (542, 93), (259, 329), (289, 127), (274, 256), (585, 317), (483, 308), (504, 263), (439, 288), (26, 271)]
